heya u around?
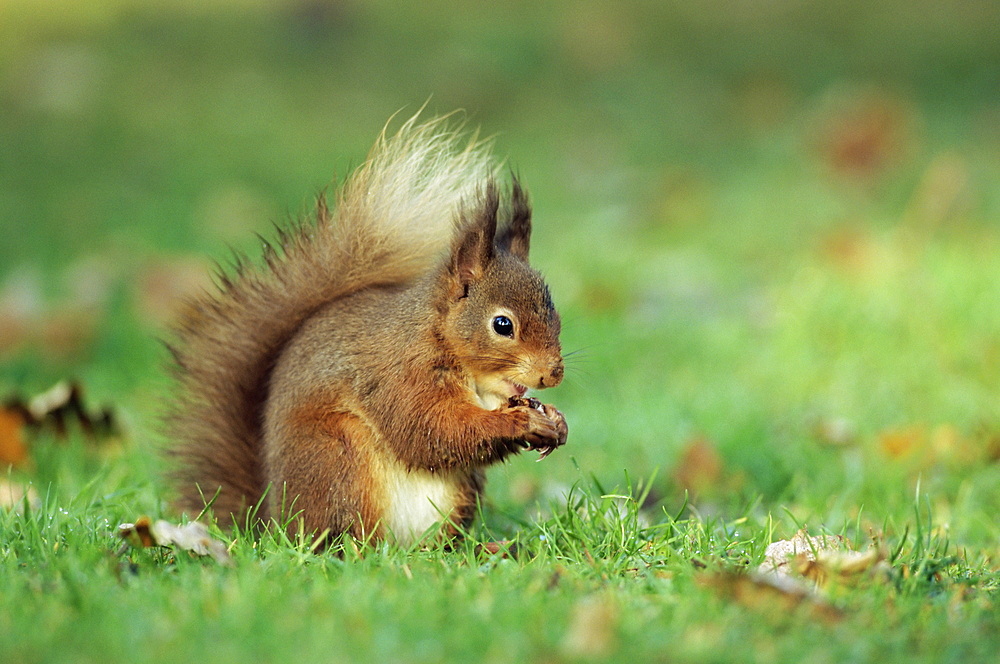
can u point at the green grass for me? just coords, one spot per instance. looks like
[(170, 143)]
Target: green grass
[(596, 579), (828, 328)]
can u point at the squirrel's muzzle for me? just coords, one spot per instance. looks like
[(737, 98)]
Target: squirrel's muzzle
[(553, 377)]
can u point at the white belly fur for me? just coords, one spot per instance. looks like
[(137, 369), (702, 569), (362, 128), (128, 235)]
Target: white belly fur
[(415, 501)]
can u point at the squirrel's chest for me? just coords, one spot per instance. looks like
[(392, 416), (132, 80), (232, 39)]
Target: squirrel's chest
[(415, 500)]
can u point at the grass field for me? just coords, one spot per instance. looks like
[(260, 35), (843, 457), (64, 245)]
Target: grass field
[(772, 232)]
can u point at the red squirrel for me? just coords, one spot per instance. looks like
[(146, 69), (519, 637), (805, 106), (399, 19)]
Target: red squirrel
[(362, 379)]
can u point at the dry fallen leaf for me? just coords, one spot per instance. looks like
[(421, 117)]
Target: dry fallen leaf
[(920, 446), (13, 451), (700, 466), (56, 408), (191, 537), (903, 442), (823, 560), (864, 133), (779, 555), (771, 594), (846, 567), (501, 548)]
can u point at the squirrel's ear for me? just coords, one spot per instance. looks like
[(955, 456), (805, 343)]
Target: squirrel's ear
[(516, 235), (473, 250)]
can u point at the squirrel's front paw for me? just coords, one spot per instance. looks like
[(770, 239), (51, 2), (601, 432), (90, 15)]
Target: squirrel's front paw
[(562, 429), (546, 426)]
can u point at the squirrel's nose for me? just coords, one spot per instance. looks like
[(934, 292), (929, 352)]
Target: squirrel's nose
[(553, 378)]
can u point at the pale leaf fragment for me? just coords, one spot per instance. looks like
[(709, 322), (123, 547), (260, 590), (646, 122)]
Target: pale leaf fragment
[(845, 567), (193, 537), (822, 559), (778, 555)]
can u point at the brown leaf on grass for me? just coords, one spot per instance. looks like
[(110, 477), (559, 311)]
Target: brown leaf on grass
[(842, 567), (903, 442), (779, 555), (56, 409), (137, 534), (951, 446), (919, 446), (864, 133), (700, 466), (823, 560), (776, 595), (501, 549), (191, 537), (13, 451), (849, 250)]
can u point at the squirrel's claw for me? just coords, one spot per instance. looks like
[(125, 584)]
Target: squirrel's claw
[(544, 452)]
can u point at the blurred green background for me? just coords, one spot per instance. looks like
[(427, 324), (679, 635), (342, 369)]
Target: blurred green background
[(771, 227)]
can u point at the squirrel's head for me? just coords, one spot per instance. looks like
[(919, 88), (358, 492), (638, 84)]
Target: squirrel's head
[(499, 316)]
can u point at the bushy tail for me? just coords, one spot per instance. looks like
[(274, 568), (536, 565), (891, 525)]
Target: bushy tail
[(394, 217)]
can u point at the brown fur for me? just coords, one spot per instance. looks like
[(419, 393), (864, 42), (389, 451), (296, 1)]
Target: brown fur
[(359, 375)]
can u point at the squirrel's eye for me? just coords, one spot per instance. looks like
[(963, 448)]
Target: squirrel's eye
[(503, 326)]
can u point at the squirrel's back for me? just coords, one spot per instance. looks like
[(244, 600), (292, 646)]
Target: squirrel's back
[(393, 220)]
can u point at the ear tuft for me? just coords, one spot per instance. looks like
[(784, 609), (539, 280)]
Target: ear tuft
[(516, 235), (473, 249)]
